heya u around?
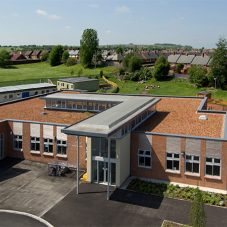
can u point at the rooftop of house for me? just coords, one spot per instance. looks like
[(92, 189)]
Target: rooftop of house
[(179, 116), (26, 87), (77, 79), (31, 109)]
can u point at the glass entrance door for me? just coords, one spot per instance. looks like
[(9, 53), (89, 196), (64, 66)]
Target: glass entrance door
[(100, 172)]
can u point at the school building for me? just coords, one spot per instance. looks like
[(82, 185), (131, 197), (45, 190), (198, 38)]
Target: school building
[(174, 139)]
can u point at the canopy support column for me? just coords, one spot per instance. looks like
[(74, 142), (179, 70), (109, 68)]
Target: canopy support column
[(108, 185), (77, 177)]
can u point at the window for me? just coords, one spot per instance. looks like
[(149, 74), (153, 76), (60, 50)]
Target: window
[(144, 158), (47, 91), (10, 96), (192, 164), (71, 86), (36, 92), (18, 95), (173, 161), (213, 167), (17, 142), (48, 103), (61, 147), (35, 143), (48, 146)]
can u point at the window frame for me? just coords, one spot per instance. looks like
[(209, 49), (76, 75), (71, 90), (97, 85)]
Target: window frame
[(35, 141), (212, 164), (172, 159), (49, 144), (144, 156), (61, 145), (192, 161), (16, 140)]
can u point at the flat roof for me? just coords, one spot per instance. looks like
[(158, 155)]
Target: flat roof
[(179, 116), (25, 87), (110, 120), (77, 79), (30, 110)]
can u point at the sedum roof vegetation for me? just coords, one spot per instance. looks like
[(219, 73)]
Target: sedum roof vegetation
[(30, 110), (179, 116)]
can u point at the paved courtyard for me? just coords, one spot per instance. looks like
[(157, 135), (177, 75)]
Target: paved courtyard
[(27, 187)]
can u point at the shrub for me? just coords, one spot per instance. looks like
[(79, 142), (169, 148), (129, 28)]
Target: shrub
[(71, 62), (89, 76), (179, 67), (96, 77), (101, 74), (45, 57), (80, 72), (121, 71)]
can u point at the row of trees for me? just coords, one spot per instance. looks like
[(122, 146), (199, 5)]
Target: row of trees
[(218, 69)]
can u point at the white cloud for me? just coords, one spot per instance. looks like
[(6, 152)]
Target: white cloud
[(94, 5), (122, 9), (15, 14), (181, 18), (68, 27), (108, 31), (43, 13)]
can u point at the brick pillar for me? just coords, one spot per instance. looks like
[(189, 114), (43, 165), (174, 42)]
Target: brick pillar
[(202, 162)]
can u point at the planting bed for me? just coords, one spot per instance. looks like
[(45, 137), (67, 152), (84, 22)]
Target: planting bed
[(171, 191)]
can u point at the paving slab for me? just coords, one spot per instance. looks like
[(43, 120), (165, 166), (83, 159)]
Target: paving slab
[(26, 187)]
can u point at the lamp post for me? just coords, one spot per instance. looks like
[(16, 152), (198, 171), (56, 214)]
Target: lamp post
[(215, 91), (145, 83), (95, 63)]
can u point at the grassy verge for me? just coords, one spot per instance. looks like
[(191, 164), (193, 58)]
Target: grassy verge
[(177, 192), (44, 70), (175, 87)]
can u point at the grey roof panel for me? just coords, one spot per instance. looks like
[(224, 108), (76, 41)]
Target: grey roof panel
[(200, 60), (185, 59), (109, 120), (173, 58), (26, 87), (77, 79)]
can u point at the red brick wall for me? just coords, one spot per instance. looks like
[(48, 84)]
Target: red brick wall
[(25, 153), (158, 171)]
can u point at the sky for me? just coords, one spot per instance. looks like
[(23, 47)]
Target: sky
[(198, 23)]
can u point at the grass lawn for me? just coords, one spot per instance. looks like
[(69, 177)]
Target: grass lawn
[(44, 70), (175, 87)]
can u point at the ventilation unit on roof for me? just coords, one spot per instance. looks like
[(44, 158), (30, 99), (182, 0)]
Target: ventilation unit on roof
[(203, 117), (44, 113)]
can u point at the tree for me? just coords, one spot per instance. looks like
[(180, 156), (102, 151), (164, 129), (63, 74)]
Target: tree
[(161, 68), (131, 62), (197, 75), (97, 56), (65, 56), (197, 215), (135, 63), (4, 58), (56, 55), (88, 45), (71, 62), (179, 67), (119, 50), (126, 59), (218, 64), (45, 57)]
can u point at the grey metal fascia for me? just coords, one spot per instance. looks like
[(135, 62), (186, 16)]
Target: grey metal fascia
[(179, 135), (37, 122)]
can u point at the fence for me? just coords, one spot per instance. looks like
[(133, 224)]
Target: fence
[(43, 80), (179, 75)]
